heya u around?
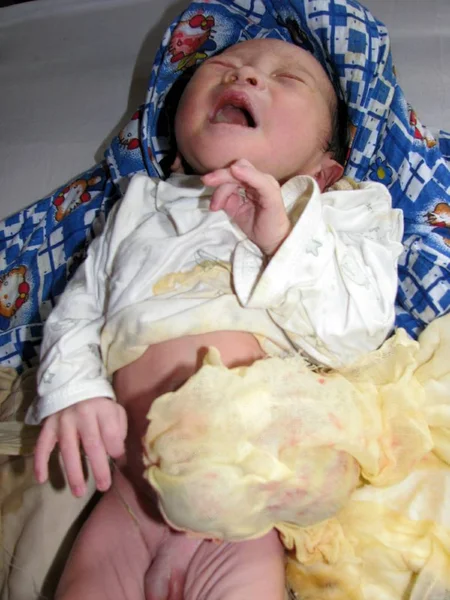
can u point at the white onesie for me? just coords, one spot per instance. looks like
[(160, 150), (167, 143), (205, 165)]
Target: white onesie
[(166, 267)]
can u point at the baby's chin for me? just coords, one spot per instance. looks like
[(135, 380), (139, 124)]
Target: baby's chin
[(195, 166), (208, 157), (210, 166)]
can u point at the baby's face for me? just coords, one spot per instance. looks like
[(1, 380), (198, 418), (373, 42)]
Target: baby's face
[(264, 100)]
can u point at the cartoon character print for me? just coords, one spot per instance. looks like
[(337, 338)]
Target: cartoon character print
[(191, 40), (419, 130), (129, 135), (440, 217), (74, 194), (14, 292)]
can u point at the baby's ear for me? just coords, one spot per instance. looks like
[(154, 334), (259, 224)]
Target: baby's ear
[(329, 172), (177, 165)]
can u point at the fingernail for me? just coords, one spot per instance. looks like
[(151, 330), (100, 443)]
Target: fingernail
[(102, 486), (78, 491)]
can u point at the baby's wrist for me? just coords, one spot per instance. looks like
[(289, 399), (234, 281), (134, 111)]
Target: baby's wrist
[(270, 250)]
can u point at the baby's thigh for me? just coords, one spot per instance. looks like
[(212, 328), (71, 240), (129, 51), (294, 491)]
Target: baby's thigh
[(234, 571), (111, 554), (189, 569)]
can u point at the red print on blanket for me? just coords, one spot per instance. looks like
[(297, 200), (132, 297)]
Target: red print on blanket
[(419, 131), (440, 217), (14, 292), (129, 135), (191, 40), (74, 194)]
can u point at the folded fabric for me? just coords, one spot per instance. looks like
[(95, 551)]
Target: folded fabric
[(291, 444), (40, 246)]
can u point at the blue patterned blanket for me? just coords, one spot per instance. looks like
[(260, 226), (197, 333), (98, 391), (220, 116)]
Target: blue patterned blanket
[(41, 246)]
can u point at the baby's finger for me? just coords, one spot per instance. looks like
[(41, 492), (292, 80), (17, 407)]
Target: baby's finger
[(44, 447), (70, 452), (218, 177), (222, 195), (265, 185), (113, 430), (96, 454)]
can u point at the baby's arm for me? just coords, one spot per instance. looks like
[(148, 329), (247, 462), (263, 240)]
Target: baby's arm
[(331, 282), (74, 393)]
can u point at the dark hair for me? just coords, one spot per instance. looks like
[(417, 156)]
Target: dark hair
[(340, 135), (166, 120)]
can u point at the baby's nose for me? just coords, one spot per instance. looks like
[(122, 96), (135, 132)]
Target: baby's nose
[(245, 75)]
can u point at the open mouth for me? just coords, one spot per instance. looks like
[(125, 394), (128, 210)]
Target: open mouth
[(234, 109)]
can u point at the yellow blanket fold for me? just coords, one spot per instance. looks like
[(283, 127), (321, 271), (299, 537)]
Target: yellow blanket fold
[(352, 467)]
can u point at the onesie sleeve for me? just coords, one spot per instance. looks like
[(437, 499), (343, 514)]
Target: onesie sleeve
[(331, 286), (71, 368)]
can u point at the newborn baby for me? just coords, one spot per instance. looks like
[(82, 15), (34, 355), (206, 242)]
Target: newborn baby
[(246, 254)]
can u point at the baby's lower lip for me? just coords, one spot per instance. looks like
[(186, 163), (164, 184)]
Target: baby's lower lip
[(230, 124)]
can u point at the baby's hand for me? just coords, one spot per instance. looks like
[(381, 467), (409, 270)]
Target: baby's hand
[(259, 211), (99, 424)]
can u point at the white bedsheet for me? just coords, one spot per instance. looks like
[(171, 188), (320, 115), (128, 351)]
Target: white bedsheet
[(72, 71)]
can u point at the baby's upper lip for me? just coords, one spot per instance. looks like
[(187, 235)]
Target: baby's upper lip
[(237, 98)]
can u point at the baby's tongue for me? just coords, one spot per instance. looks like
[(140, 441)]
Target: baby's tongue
[(231, 114)]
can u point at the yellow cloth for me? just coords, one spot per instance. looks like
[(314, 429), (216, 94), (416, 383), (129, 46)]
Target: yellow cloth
[(237, 451)]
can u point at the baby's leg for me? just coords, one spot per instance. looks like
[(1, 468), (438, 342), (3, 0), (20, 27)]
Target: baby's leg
[(122, 554), (125, 551), (110, 556)]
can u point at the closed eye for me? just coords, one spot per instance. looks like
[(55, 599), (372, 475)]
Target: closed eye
[(221, 63), (290, 76)]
